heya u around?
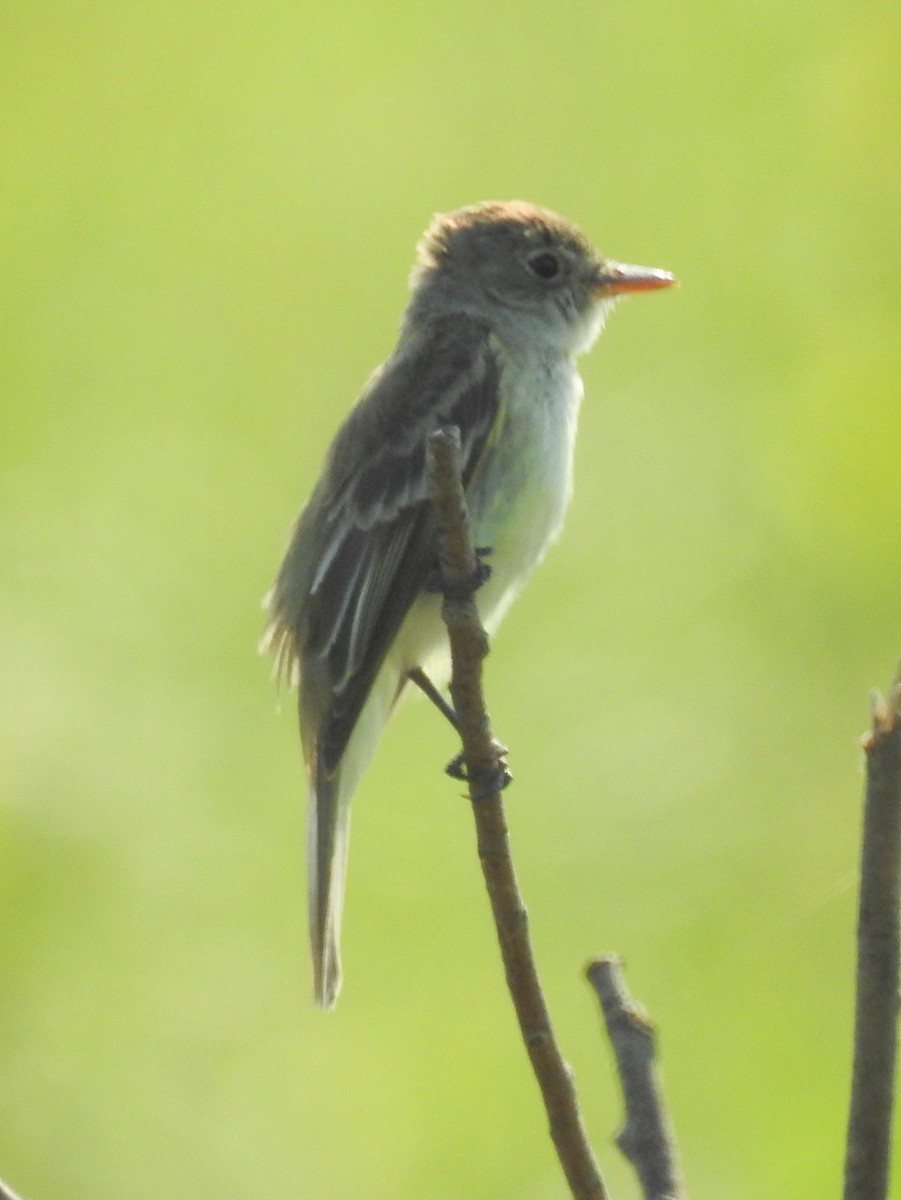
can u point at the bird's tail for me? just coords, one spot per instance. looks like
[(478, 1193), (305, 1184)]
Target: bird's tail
[(328, 828)]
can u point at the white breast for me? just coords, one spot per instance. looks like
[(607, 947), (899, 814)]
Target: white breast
[(517, 501), (520, 494)]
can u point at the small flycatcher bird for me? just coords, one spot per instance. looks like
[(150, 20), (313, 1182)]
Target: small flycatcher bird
[(504, 296)]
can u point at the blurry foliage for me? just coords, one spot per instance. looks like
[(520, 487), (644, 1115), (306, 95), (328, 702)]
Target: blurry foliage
[(207, 216)]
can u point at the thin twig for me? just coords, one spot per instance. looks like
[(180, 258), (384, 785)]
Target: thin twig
[(876, 1018), (7, 1193), (485, 772), (646, 1139)]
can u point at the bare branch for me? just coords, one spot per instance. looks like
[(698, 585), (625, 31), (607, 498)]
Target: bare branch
[(646, 1139), (485, 772), (876, 1018)]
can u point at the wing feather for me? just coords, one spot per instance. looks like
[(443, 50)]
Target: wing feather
[(364, 546)]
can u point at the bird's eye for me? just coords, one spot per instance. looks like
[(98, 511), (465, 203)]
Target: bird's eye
[(545, 265)]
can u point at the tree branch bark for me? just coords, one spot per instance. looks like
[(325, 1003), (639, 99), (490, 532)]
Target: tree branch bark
[(876, 1018), (486, 774), (646, 1139)]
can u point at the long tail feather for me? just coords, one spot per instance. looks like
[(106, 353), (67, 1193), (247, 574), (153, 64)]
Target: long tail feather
[(328, 827)]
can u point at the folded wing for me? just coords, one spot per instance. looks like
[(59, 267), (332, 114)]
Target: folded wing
[(364, 545)]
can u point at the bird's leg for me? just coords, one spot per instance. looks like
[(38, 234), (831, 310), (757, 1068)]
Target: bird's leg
[(456, 768), (418, 676)]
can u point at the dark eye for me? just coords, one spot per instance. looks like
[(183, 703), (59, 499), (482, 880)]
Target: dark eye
[(545, 265)]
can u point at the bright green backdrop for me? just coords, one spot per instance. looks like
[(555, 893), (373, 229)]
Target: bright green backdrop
[(208, 214)]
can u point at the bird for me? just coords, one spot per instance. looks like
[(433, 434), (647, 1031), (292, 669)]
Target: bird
[(504, 296)]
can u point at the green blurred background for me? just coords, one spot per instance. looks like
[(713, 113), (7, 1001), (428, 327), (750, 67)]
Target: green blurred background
[(208, 214)]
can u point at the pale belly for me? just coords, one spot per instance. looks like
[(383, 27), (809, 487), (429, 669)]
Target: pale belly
[(517, 501)]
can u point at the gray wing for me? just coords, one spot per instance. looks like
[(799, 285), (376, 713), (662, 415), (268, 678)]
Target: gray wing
[(364, 545)]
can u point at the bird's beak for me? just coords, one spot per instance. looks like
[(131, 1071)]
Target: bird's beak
[(615, 278)]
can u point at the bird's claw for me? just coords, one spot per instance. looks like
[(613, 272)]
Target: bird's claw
[(435, 581), (486, 785)]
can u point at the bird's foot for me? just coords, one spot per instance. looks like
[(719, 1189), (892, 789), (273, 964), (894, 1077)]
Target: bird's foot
[(435, 582), (485, 785)]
